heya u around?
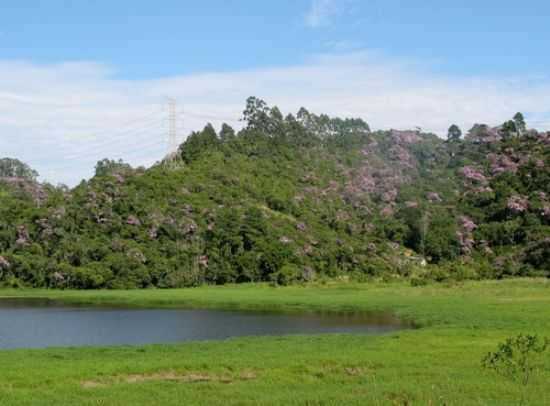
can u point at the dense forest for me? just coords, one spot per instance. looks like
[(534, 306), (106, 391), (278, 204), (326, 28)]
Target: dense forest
[(288, 199)]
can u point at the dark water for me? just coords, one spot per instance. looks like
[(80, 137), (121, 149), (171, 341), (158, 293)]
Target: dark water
[(26, 323)]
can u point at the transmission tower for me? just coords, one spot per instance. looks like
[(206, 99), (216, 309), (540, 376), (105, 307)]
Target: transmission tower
[(172, 127)]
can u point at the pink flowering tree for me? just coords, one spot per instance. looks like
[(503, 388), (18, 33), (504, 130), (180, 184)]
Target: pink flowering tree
[(517, 204)]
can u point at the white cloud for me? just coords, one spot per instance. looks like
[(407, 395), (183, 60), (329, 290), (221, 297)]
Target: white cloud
[(62, 118), (321, 13)]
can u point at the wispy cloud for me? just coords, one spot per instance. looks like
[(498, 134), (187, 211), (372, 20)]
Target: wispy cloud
[(62, 118), (322, 13)]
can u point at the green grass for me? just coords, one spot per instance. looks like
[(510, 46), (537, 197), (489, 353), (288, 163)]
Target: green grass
[(436, 364)]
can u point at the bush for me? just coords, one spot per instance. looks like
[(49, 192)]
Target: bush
[(517, 358), (90, 277), (288, 274), (419, 281)]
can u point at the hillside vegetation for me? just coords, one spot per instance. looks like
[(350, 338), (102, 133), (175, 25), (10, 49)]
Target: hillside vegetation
[(289, 199)]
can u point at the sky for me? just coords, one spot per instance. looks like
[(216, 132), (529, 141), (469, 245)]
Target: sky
[(81, 81)]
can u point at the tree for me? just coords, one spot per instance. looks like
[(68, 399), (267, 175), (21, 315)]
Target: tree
[(109, 166), (260, 117), (256, 113), (519, 121), (198, 143), (509, 129), (14, 168), (227, 133), (518, 359), (454, 133)]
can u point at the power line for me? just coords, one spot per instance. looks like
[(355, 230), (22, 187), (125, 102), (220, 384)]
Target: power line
[(121, 137), (119, 141), (130, 123), (136, 137), (211, 117), (93, 158)]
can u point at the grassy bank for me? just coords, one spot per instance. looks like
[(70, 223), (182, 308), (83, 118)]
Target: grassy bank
[(437, 364)]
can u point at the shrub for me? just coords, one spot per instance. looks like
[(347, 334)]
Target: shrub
[(517, 358), (288, 274)]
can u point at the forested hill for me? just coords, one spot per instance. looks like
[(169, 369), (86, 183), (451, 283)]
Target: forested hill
[(286, 199)]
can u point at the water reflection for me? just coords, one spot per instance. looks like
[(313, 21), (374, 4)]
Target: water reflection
[(38, 323)]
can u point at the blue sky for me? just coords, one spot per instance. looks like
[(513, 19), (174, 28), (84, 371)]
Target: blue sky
[(72, 72), (145, 39)]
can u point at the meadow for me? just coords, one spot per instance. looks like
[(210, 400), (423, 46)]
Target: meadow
[(438, 363)]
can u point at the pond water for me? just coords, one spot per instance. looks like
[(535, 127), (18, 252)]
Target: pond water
[(37, 323)]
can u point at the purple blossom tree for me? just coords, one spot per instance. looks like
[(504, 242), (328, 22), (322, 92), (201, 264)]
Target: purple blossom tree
[(23, 238), (4, 263), (517, 204), (133, 221), (434, 197), (203, 261), (467, 224), (465, 234), (474, 176)]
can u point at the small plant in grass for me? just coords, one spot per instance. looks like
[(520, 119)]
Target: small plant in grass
[(517, 358)]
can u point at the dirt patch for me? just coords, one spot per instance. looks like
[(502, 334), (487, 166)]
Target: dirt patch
[(400, 398), (92, 384), (170, 376), (355, 371)]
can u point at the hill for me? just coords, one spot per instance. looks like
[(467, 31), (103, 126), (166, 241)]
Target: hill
[(288, 199)]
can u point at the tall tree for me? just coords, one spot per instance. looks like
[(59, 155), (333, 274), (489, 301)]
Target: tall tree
[(227, 133), (509, 129), (454, 133), (519, 121), (110, 166), (14, 168), (198, 143)]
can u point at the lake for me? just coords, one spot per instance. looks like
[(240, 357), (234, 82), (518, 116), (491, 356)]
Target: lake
[(40, 323)]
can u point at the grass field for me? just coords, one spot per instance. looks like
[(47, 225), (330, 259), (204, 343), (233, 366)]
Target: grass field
[(438, 364)]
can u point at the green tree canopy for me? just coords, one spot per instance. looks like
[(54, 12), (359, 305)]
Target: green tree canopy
[(454, 133), (10, 167)]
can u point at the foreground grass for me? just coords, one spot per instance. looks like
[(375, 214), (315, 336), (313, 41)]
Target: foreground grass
[(436, 364)]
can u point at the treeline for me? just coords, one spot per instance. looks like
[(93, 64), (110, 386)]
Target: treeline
[(288, 199)]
